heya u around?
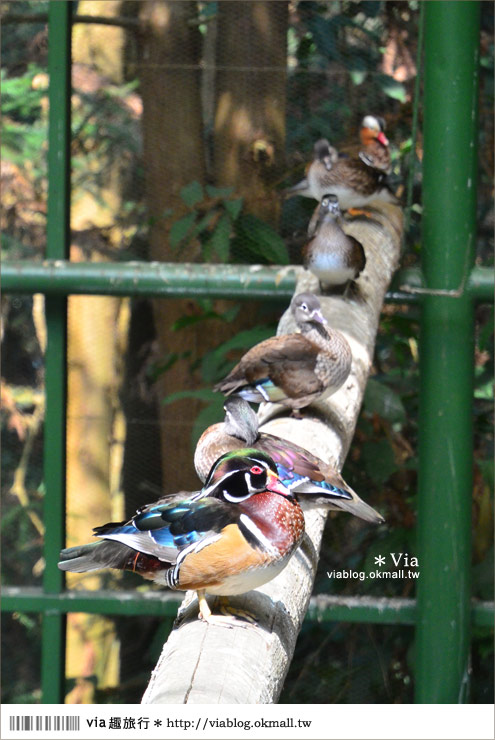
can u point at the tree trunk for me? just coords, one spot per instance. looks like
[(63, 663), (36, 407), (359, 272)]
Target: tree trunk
[(250, 110), (169, 71), (97, 334), (205, 664)]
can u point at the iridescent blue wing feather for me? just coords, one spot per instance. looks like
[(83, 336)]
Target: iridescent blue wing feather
[(300, 470), (164, 530)]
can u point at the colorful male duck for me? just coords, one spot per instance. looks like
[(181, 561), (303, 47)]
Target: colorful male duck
[(355, 181), (376, 151), (234, 535), (293, 369)]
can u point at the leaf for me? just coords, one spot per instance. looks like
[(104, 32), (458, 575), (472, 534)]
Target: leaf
[(380, 399), (209, 415), (185, 321), (379, 460), (180, 228), (203, 223), (392, 88), (214, 192), (233, 207), (260, 239), (358, 76), (219, 241), (215, 364), (192, 193)]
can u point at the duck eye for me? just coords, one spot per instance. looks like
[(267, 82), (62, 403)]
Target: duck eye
[(256, 470), (304, 307)]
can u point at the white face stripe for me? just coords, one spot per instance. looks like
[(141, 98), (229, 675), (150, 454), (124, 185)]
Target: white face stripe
[(206, 491), (238, 499), (256, 532)]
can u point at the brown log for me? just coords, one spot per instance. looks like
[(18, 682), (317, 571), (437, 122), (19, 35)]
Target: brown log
[(206, 664)]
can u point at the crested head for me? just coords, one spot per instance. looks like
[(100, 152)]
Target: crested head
[(325, 154), (322, 149), (375, 125), (306, 309), (238, 475), (240, 420), (330, 204)]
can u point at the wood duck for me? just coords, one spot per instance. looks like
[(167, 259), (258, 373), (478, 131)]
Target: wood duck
[(234, 535), (376, 152), (336, 258), (293, 369), (352, 180), (314, 482)]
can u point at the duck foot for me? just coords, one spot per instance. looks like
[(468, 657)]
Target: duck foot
[(230, 617), (355, 212), (296, 414)]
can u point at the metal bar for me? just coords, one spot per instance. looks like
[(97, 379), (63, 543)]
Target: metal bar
[(172, 280), (133, 24), (58, 231), (415, 116), (447, 351), (322, 608), (156, 279)]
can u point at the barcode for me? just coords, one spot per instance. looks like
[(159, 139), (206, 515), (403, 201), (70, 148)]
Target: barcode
[(48, 724)]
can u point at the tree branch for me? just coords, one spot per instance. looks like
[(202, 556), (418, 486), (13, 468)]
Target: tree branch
[(205, 664)]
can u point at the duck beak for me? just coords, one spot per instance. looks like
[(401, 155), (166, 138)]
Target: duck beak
[(382, 139), (318, 316), (275, 484)]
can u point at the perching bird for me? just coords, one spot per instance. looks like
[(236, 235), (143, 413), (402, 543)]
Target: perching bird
[(293, 369), (234, 535), (324, 157), (336, 258), (352, 180), (314, 482), (376, 152)]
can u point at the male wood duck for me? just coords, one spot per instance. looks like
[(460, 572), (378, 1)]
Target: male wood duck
[(314, 482), (234, 535), (353, 180), (336, 258), (376, 152), (293, 369)]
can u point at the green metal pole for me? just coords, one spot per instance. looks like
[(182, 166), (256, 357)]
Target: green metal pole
[(59, 64), (446, 351)]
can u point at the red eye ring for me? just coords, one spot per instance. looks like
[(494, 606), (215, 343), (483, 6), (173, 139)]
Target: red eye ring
[(256, 470)]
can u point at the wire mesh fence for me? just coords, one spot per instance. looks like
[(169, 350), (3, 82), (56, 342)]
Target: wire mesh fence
[(189, 122)]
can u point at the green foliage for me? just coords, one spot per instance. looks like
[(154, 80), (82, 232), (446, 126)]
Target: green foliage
[(225, 232), (214, 365), (336, 51), (20, 101), (24, 128)]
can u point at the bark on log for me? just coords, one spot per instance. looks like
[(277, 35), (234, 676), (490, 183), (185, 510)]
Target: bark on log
[(204, 664)]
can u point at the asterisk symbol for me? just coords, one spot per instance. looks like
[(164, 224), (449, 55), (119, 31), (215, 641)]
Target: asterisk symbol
[(158, 722), (379, 560)]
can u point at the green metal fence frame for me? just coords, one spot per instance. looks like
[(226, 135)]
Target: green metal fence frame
[(446, 289)]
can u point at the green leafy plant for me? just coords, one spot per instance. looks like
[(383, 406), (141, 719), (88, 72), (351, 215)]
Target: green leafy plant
[(226, 233)]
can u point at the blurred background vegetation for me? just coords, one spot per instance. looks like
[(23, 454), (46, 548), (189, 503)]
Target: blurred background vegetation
[(188, 120)]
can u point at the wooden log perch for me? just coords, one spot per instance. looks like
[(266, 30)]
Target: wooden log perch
[(205, 664)]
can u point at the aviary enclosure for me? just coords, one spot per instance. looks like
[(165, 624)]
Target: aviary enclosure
[(147, 244)]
